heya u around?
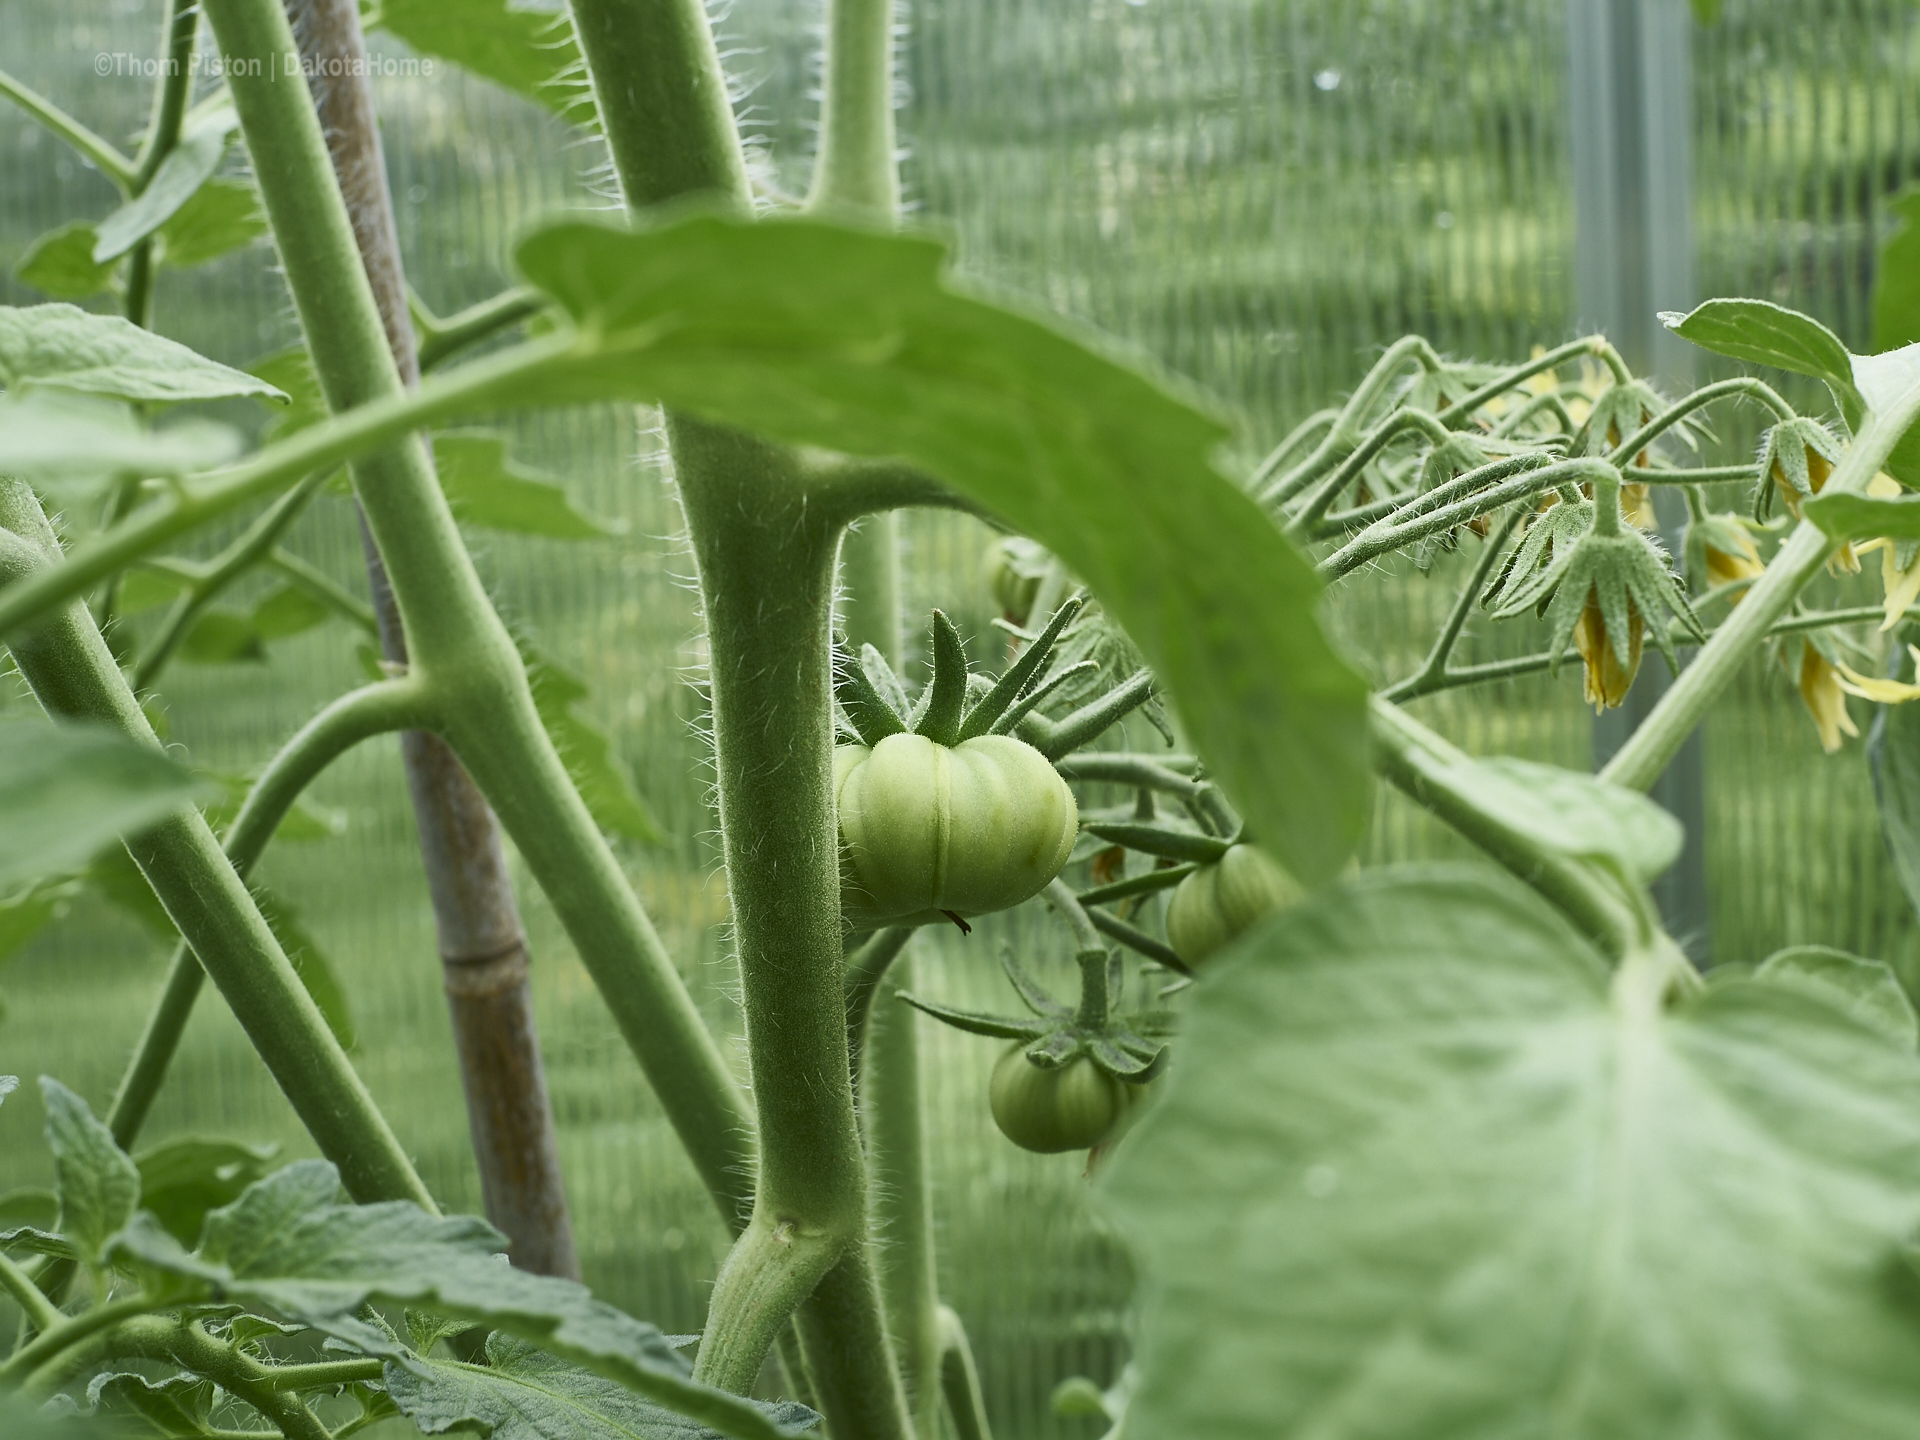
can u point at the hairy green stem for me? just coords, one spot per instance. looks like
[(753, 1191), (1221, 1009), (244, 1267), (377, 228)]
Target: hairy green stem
[(960, 1381), (373, 710), (41, 1312), (1344, 474), (1349, 428), (1436, 664), (74, 675), (106, 157), (1644, 757), (216, 575), (866, 967), (163, 134), (854, 173), (896, 1125), (316, 584), (457, 641), (1706, 395), (321, 1374), (443, 338), (767, 569), (252, 1382), (1379, 539), (69, 1332), (1589, 345), (1296, 439)]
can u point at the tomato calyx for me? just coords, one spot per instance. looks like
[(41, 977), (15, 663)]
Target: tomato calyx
[(1128, 1046)]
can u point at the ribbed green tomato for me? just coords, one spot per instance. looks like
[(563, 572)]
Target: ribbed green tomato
[(1050, 1111), (1218, 901), (926, 828)]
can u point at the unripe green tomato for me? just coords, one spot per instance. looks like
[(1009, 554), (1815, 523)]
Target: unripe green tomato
[(1050, 1111), (1218, 901), (926, 829)]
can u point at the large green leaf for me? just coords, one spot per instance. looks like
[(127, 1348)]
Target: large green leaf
[(188, 166), (525, 1394), (61, 263), (177, 1406), (1868, 990), (67, 790), (288, 1244), (63, 347), (221, 216), (853, 341), (1420, 1174), (486, 488), (77, 443), (1896, 277), (524, 49), (1856, 517), (97, 1185)]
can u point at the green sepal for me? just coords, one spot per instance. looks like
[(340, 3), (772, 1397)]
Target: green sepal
[(1009, 722), (1031, 992), (1055, 1049), (946, 695), (1528, 578), (1786, 447), (1121, 1063), (892, 689), (1158, 840), (1145, 884), (866, 709), (974, 1022), (984, 716), (1054, 738)]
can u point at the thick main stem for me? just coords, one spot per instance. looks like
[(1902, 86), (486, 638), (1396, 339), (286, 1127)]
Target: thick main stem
[(75, 676), (457, 642), (766, 561), (482, 944)]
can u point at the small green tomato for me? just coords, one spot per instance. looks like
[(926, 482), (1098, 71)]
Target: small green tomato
[(1051, 1111), (1218, 901), (930, 831)]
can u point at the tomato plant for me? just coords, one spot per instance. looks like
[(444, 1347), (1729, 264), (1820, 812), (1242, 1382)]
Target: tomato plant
[(1403, 1111)]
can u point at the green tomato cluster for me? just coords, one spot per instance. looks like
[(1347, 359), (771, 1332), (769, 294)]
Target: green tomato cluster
[(1214, 904), (930, 830)]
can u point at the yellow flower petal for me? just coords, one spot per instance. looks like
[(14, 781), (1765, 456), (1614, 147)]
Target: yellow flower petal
[(1880, 691), (1825, 700), (1884, 487)]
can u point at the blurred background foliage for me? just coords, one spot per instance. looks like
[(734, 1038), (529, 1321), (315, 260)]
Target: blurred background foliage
[(1257, 194)]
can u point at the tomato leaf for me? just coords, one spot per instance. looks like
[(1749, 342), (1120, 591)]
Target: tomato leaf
[(817, 335), (61, 263), (487, 489), (1868, 990), (1418, 1175), (182, 1179), (291, 372), (287, 610), (22, 1419), (67, 790), (62, 347), (178, 1405), (219, 218), (1580, 816), (74, 442), (522, 1393), (97, 1184), (1767, 334), (1896, 278), (1856, 517), (288, 1244), (222, 637), (526, 51), (586, 750), (188, 166)]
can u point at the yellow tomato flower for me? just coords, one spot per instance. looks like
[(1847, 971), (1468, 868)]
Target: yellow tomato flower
[(1826, 698), (1607, 680), (1741, 562)]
